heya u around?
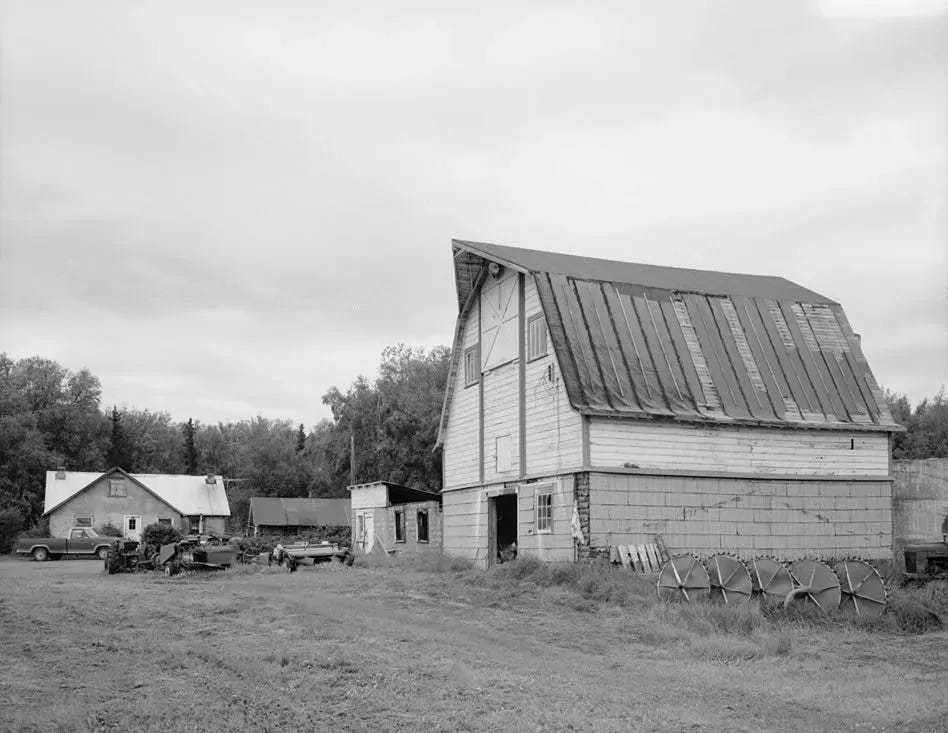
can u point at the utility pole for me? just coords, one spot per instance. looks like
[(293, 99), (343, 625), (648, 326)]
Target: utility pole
[(352, 458)]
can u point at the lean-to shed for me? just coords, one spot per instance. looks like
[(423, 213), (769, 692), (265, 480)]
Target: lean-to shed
[(593, 403), (395, 519)]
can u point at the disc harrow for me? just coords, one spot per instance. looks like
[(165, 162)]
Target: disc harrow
[(853, 586)]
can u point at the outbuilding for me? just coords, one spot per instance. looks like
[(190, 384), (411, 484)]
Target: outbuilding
[(191, 504), (291, 516), (594, 403), (394, 519)]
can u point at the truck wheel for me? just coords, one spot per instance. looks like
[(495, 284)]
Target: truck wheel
[(171, 569), (41, 554), (103, 553)]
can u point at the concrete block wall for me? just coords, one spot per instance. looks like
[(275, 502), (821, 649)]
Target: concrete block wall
[(786, 518)]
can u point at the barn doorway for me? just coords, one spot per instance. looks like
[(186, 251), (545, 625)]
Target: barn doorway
[(502, 528)]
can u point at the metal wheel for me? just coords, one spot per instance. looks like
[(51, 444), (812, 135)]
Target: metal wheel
[(103, 553), (770, 579), (683, 578), (730, 580), (862, 589), (41, 554), (817, 584)]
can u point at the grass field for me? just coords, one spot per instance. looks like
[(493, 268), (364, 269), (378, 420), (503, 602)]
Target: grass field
[(411, 648)]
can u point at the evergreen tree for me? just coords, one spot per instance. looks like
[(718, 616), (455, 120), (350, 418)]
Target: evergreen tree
[(190, 451), (118, 454), (301, 439)]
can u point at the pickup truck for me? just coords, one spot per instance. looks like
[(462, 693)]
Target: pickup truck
[(81, 541)]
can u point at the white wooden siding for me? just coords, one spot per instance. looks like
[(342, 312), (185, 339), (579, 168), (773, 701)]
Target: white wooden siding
[(464, 524), (461, 440), (630, 443), (554, 428), (558, 544), (368, 496), (501, 418)]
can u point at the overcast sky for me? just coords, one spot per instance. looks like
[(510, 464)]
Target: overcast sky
[(224, 208)]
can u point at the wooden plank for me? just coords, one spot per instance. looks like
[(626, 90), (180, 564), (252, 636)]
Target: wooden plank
[(662, 550), (643, 557), (624, 556), (653, 556), (522, 371), (614, 555)]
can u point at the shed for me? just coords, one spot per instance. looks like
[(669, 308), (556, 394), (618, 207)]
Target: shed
[(130, 501), (593, 403), (395, 519), (289, 516)]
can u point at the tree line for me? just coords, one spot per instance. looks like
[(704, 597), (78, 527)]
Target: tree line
[(51, 416)]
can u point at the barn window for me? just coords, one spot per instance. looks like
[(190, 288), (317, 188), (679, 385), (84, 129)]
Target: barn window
[(423, 525), (545, 511), (116, 487), (472, 364), (536, 337), (84, 520), (399, 525), (503, 454)]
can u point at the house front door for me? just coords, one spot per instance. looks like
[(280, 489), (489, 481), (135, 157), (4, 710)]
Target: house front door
[(133, 527)]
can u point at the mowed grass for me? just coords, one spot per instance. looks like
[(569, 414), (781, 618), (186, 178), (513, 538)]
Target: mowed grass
[(437, 645)]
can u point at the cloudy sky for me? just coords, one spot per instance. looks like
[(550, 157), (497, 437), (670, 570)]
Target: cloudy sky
[(225, 208)]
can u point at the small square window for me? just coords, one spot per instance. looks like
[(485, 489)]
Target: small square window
[(399, 525), (545, 511), (116, 487), (536, 337), (423, 525), (472, 365), (132, 524), (83, 520)]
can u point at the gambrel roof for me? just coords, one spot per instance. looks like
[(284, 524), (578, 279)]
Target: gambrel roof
[(645, 341)]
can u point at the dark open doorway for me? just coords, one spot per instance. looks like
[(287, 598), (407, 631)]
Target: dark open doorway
[(502, 536)]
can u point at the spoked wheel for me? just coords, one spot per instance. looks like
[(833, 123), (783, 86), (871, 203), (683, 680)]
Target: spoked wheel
[(862, 589), (683, 578), (770, 579), (730, 580), (816, 584)]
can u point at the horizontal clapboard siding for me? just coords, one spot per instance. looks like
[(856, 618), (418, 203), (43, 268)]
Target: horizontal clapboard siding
[(554, 428), (557, 545), (461, 450), (641, 444), (464, 524)]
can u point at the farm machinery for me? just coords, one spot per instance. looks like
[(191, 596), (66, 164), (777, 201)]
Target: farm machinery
[(852, 586), (190, 553), (290, 556)]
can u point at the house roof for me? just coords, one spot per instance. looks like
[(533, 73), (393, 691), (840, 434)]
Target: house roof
[(188, 495), (398, 494), (645, 341), (298, 512)]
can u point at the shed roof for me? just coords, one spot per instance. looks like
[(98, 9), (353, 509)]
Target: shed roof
[(274, 511), (188, 495), (398, 494), (645, 341)]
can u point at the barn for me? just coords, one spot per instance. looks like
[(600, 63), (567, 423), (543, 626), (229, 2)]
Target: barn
[(395, 519), (131, 501), (292, 516), (593, 403)]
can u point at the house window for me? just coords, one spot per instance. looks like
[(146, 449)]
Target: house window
[(544, 511), (83, 520), (423, 525), (536, 337), (132, 524), (399, 525), (116, 487), (166, 522), (472, 364)]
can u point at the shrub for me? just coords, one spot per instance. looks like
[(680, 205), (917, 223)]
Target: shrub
[(157, 535), (11, 521), (110, 530)]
